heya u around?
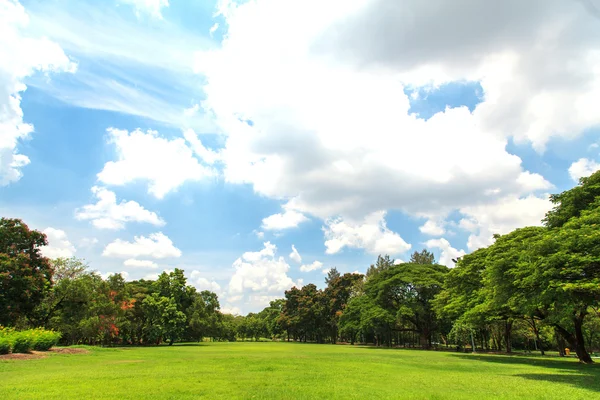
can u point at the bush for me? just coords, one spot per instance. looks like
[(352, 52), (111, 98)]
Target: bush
[(22, 342), (25, 341), (43, 340), (4, 345)]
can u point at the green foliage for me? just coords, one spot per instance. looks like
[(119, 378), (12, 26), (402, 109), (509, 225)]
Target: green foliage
[(4, 345), (44, 340), (422, 257), (21, 342), (27, 340), (25, 275)]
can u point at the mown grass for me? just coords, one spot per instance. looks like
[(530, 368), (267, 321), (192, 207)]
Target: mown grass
[(293, 371)]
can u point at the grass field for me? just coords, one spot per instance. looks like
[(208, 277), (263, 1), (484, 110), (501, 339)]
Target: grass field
[(292, 371)]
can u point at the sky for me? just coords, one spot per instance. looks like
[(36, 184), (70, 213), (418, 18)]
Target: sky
[(257, 144)]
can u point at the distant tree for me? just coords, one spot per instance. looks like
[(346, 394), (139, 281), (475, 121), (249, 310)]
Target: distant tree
[(337, 294), (422, 257), (332, 275), (66, 271), (407, 290), (382, 264), (25, 275)]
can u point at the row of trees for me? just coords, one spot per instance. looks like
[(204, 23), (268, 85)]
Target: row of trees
[(64, 295), (536, 288)]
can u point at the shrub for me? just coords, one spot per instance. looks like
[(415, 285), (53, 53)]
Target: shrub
[(4, 345), (43, 340), (22, 342)]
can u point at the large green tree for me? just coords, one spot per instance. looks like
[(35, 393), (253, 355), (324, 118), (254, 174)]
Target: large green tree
[(25, 274), (408, 290)]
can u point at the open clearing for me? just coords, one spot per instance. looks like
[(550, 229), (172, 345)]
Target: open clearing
[(292, 371)]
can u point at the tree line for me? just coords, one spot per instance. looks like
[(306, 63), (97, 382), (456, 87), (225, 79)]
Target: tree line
[(536, 288)]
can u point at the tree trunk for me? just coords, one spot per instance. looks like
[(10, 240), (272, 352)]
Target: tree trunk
[(507, 334), (560, 342), (582, 353), (576, 341), (537, 335)]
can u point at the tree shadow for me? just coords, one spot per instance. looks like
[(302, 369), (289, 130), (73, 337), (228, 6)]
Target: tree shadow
[(563, 372)]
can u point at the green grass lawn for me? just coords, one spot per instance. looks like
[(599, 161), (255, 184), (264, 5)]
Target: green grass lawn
[(292, 371)]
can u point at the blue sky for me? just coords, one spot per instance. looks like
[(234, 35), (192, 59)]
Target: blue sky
[(214, 136)]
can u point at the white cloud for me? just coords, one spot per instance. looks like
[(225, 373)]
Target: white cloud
[(295, 256), (432, 228), (302, 147), (371, 234), (258, 276), (21, 56), (447, 251), (143, 69), (209, 156), (134, 263), (107, 214), (213, 28), (583, 168), (165, 164), (259, 234), (311, 267), (325, 271), (59, 245), (227, 309), (502, 216), (289, 219), (202, 283), (152, 8), (157, 246)]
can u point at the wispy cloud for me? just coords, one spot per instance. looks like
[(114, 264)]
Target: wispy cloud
[(142, 69)]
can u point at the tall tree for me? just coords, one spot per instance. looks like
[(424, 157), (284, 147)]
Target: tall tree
[(25, 275), (382, 264), (408, 291), (423, 257)]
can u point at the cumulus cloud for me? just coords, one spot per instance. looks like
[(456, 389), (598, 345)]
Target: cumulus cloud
[(165, 164), (157, 246), (447, 252), (502, 216), (259, 276), (432, 228), (295, 256), (134, 263), (315, 265), (201, 283), (107, 214), (371, 234), (152, 8), (228, 309), (339, 139), (289, 219), (209, 156), (21, 56), (583, 168), (59, 245)]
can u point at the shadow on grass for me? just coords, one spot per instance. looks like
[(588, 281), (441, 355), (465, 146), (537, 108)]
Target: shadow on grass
[(560, 371)]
